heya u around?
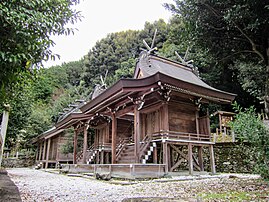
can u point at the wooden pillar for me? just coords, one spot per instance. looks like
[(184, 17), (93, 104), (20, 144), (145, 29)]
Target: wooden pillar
[(197, 121), (212, 159), (169, 156), (155, 155), (220, 125), (102, 157), (114, 135), (40, 151), (37, 153), (107, 157), (48, 153), (57, 148), (85, 144), (200, 158), (75, 147), (190, 159), (137, 133), (165, 157), (44, 150), (165, 117)]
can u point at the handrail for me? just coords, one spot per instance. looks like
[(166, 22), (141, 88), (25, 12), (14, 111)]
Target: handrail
[(120, 146), (80, 153), (144, 144), (180, 136)]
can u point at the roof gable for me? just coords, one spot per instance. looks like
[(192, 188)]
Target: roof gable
[(151, 64)]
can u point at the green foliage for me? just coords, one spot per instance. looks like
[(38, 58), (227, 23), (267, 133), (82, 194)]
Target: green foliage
[(117, 53), (25, 35), (249, 127), (234, 36), (68, 146)]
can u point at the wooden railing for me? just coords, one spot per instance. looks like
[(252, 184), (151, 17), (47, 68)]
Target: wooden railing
[(104, 146), (120, 146), (144, 144), (173, 135), (80, 154)]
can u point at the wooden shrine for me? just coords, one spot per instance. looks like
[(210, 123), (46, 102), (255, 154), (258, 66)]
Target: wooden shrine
[(150, 123), (223, 131)]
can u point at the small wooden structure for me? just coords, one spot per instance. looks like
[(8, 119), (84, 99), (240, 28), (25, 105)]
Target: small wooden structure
[(49, 152), (223, 132), (152, 122)]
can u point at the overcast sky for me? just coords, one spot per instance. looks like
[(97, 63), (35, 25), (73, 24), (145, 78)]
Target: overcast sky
[(102, 17)]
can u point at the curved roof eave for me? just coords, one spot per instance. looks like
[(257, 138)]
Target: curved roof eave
[(123, 86)]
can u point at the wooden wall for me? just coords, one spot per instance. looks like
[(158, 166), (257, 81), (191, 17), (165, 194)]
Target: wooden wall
[(124, 129), (182, 117), (150, 122)]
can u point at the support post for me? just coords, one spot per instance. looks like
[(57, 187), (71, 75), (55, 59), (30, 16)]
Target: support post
[(114, 135), (200, 158), (85, 144), (40, 151), (165, 121), (48, 153), (190, 159), (169, 157), (197, 121), (102, 157), (75, 147), (212, 159), (37, 153), (44, 150), (155, 155), (165, 157), (137, 133)]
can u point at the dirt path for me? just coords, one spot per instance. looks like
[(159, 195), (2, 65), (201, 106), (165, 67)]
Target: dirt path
[(36, 185)]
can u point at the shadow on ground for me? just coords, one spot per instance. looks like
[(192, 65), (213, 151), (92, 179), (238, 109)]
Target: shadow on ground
[(8, 190)]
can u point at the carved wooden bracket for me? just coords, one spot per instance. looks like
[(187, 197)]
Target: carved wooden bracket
[(164, 92)]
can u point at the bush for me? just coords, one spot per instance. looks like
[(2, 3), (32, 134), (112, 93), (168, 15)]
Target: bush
[(249, 127)]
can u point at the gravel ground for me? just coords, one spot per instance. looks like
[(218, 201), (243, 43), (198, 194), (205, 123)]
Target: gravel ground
[(37, 185)]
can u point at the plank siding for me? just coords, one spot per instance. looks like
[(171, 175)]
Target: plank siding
[(182, 118)]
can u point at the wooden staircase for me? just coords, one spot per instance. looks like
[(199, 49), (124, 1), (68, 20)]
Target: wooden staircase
[(127, 155)]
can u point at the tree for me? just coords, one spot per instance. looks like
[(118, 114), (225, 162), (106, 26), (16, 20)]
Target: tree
[(235, 34), (25, 35), (118, 51), (249, 127)]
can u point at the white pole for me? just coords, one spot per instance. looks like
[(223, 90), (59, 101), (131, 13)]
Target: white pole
[(4, 129)]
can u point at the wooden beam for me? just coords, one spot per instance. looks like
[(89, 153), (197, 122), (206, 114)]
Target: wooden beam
[(85, 144), (44, 150), (155, 154), (137, 133), (75, 147), (48, 153), (212, 159), (176, 165), (124, 111), (190, 159), (165, 116), (200, 158), (102, 157), (40, 150), (165, 157), (114, 135), (152, 107), (169, 160), (197, 121)]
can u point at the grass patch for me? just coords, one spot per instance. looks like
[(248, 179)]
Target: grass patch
[(233, 196)]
